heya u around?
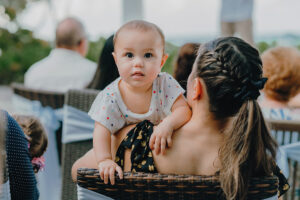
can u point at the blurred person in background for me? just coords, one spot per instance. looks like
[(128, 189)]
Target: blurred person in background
[(107, 70), (236, 18), (281, 65), (184, 63), (22, 181), (65, 68), (295, 102)]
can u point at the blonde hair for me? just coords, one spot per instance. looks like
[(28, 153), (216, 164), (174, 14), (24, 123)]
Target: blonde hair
[(35, 134), (142, 26), (281, 65)]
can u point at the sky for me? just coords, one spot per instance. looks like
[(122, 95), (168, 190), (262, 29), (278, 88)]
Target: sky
[(177, 18)]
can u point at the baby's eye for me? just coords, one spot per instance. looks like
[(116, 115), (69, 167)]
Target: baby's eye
[(148, 55), (129, 55)]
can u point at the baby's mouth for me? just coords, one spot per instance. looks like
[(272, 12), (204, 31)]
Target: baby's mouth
[(138, 74)]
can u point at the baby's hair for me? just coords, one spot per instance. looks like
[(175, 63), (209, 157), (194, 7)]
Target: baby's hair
[(142, 26), (35, 134)]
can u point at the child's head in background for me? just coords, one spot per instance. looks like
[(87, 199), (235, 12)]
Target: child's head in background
[(139, 52), (37, 139)]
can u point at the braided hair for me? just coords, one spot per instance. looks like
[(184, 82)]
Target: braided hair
[(232, 72)]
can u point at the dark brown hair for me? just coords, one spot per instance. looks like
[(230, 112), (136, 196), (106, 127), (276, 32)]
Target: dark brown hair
[(184, 63), (107, 70), (232, 72), (35, 134)]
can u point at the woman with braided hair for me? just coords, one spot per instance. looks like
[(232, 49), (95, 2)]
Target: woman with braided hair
[(226, 135)]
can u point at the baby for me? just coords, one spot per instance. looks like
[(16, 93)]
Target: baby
[(37, 139), (141, 93)]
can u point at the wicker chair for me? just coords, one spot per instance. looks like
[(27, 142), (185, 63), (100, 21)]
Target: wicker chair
[(159, 186), (82, 100), (53, 99), (286, 132), (3, 163)]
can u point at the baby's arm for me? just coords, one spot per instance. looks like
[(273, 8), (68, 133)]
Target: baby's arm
[(181, 113), (102, 150)]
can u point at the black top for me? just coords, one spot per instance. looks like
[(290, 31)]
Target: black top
[(22, 180)]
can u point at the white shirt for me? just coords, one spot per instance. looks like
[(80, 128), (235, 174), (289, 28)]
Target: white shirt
[(236, 10), (62, 70), (110, 110)]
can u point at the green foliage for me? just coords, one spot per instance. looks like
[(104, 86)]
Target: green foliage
[(262, 46), (18, 52), (95, 49), (172, 51)]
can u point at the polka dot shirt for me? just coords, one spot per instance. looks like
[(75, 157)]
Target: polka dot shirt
[(110, 110)]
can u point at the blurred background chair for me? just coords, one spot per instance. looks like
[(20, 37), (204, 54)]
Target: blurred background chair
[(77, 135), (164, 186), (4, 184), (287, 134), (53, 99), (47, 107)]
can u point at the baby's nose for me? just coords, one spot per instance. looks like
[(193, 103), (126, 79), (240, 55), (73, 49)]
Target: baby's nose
[(138, 62)]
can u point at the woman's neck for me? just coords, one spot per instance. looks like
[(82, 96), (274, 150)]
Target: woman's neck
[(203, 120)]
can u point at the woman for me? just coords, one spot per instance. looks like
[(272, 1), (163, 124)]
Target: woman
[(227, 133)]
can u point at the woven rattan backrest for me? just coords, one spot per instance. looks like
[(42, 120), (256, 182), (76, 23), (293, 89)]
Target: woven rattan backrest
[(3, 167), (47, 98), (81, 99), (166, 186)]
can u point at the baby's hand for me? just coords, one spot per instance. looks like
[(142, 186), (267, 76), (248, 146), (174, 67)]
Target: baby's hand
[(107, 170), (161, 137)]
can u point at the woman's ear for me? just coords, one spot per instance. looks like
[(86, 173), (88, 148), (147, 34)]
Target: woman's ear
[(197, 89), (163, 60)]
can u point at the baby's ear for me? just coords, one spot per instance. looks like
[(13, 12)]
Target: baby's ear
[(115, 56), (164, 59)]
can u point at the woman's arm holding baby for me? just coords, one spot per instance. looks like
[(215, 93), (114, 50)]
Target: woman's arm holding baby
[(181, 113)]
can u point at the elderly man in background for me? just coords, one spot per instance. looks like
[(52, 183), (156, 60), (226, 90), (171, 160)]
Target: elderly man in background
[(65, 68)]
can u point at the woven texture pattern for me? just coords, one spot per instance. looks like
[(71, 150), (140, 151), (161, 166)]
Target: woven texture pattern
[(47, 98), (159, 186), (82, 100), (286, 132), (3, 161)]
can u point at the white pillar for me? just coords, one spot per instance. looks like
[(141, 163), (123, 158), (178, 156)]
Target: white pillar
[(132, 9)]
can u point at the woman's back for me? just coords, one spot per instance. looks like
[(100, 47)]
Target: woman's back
[(194, 151)]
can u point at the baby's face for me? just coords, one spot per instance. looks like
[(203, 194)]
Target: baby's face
[(139, 56)]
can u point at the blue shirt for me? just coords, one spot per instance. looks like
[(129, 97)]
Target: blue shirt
[(236, 10), (22, 180)]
